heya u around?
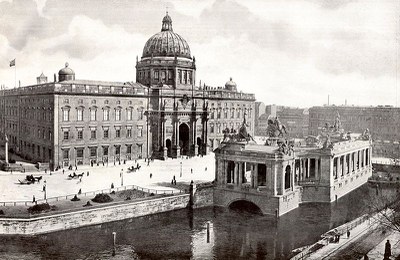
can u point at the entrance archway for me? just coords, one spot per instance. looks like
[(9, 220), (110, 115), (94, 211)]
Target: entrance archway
[(168, 143), (199, 143), (184, 138)]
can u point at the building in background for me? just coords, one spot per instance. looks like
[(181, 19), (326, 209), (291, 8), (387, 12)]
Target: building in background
[(70, 122), (383, 123)]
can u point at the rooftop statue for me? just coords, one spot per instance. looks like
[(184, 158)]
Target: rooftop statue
[(275, 128), (242, 135), (366, 135)]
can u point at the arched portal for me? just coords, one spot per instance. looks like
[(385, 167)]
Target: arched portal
[(245, 206), (184, 138), (168, 143), (287, 177)]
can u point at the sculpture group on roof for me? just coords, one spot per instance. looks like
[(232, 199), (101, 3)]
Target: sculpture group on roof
[(241, 136), (275, 128)]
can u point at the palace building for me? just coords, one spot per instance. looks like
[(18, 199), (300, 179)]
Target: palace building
[(164, 114)]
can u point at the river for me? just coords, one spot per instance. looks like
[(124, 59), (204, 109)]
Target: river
[(182, 234)]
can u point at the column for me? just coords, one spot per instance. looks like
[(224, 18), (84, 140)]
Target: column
[(274, 181), (240, 180), (252, 175), (256, 175), (292, 175), (308, 167), (235, 174)]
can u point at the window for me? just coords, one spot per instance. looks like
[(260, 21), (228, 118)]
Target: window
[(212, 114), (140, 114), (118, 150), (238, 113), (93, 115), (106, 133), (66, 115), (128, 133), (80, 134), (180, 76), (129, 149), (105, 150), (66, 154), (66, 135), (93, 134), (93, 151), (163, 76), (233, 113), (129, 114), (118, 133), (218, 129), (106, 114), (117, 114), (212, 128), (170, 74), (139, 131), (225, 113), (79, 152), (80, 115), (219, 114), (156, 74)]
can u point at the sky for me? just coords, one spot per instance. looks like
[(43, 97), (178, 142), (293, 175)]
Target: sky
[(292, 52)]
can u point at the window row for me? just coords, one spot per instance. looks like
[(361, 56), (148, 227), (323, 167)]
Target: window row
[(93, 151), (217, 113), (106, 133), (93, 113)]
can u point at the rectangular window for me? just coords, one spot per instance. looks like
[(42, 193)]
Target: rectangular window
[(212, 114), (79, 153), (66, 135), (219, 114), (118, 115), (211, 128), (129, 149), (106, 133), (129, 114), (106, 115), (118, 133), (80, 114), (117, 150), (156, 74), (140, 117), (80, 134), (66, 154), (93, 115), (128, 133), (93, 151), (93, 134), (105, 150), (139, 131), (66, 115)]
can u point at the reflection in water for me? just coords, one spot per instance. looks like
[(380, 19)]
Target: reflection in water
[(183, 234)]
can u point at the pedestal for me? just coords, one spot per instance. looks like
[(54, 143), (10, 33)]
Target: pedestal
[(196, 150), (177, 151), (165, 155), (6, 152)]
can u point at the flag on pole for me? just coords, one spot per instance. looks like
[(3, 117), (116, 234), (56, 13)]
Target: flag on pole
[(12, 63)]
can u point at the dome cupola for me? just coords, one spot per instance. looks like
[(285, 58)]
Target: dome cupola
[(66, 73), (230, 85), (166, 43)]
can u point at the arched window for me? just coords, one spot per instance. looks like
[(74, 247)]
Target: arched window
[(287, 177)]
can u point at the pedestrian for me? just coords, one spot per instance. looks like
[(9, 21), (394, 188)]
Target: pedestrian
[(112, 185), (24, 170), (173, 177), (151, 175), (191, 170), (87, 174), (206, 169), (45, 171), (80, 191), (63, 171), (348, 233), (50, 173), (388, 250), (44, 187), (174, 182)]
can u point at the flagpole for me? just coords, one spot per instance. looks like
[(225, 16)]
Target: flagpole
[(15, 74)]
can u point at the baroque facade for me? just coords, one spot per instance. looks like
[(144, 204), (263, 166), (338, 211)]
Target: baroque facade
[(164, 114)]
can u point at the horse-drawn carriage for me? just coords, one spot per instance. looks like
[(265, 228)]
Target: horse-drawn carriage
[(133, 168), (30, 179)]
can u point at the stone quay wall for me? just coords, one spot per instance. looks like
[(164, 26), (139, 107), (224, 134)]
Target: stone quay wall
[(91, 216), (203, 196)]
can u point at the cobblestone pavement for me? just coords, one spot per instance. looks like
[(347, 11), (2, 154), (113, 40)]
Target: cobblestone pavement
[(101, 177)]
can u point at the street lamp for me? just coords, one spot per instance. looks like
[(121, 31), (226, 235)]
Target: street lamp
[(181, 170), (45, 190), (122, 177)]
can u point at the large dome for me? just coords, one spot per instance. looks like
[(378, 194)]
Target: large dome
[(166, 43)]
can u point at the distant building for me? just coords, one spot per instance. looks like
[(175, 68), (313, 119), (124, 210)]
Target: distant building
[(383, 123)]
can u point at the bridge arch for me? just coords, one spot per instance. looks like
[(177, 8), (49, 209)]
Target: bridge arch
[(245, 205)]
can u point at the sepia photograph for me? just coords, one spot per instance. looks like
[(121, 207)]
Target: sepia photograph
[(199, 129)]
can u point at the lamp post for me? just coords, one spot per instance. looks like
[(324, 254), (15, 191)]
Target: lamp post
[(122, 177), (181, 170), (45, 190)]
